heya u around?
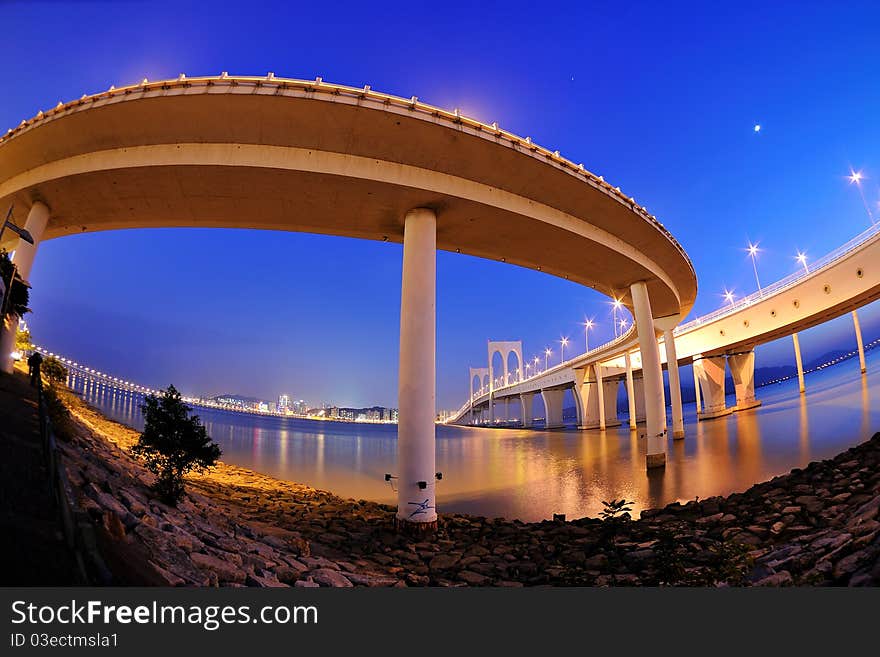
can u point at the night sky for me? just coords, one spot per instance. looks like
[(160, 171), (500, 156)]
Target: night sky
[(661, 99)]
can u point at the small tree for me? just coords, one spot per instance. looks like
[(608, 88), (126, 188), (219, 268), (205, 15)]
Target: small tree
[(23, 340), (17, 292), (54, 370), (173, 443)]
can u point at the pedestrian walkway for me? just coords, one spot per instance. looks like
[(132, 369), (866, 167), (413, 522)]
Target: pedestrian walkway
[(32, 546)]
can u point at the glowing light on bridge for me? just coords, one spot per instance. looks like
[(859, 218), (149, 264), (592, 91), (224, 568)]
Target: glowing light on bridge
[(802, 259), (564, 343), (856, 177), (588, 324), (615, 306), (547, 353), (728, 295), (753, 254)]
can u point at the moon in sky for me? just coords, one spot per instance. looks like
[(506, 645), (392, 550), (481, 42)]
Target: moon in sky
[(757, 127)]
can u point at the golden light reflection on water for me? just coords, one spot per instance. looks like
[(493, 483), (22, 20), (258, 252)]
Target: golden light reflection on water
[(532, 474)]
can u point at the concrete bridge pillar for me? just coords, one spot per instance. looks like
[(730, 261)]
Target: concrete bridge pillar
[(588, 393), (742, 366), (416, 500), (655, 410), (586, 400), (639, 399), (799, 361), (600, 394), (696, 386), (35, 224), (553, 407), (630, 391), (609, 398), (711, 371), (526, 400), (674, 384), (861, 345)]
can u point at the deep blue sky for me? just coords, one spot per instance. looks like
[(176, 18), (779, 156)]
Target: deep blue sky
[(660, 98)]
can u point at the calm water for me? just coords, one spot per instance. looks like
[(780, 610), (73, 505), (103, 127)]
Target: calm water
[(532, 474)]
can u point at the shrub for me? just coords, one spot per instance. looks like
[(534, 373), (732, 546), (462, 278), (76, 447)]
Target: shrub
[(173, 443), (59, 415), (54, 370)]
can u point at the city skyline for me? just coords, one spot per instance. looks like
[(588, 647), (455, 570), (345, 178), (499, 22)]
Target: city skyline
[(694, 159)]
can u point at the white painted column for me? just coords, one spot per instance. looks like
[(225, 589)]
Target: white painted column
[(553, 408), (855, 316), (674, 384), (37, 218), (416, 500), (696, 385), (611, 388), (630, 391), (526, 400), (742, 367), (799, 361), (711, 371), (600, 392), (652, 374)]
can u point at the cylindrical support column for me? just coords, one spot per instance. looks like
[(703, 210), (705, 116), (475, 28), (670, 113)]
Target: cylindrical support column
[(696, 386), (630, 391), (526, 399), (674, 384), (37, 218), (600, 393), (799, 361), (652, 374), (855, 316), (416, 502)]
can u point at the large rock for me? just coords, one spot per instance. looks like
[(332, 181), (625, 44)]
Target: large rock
[(329, 577), (226, 572)]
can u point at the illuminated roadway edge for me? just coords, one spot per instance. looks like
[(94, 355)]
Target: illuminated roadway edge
[(308, 156)]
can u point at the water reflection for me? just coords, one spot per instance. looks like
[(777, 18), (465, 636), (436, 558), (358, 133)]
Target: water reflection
[(533, 474)]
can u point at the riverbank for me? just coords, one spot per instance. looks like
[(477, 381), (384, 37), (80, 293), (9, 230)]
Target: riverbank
[(816, 526)]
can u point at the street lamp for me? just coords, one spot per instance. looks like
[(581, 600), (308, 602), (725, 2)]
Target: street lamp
[(615, 307), (587, 326), (537, 360), (802, 258), (564, 343), (855, 177), (753, 253), (547, 353), (728, 295)]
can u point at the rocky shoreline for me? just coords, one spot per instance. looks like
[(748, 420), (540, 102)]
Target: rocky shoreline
[(814, 526)]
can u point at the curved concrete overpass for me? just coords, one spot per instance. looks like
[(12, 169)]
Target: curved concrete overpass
[(316, 157), (296, 155)]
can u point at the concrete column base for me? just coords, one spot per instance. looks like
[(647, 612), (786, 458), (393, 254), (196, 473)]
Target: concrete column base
[(595, 425), (747, 404), (678, 435), (655, 461), (711, 415), (415, 528)]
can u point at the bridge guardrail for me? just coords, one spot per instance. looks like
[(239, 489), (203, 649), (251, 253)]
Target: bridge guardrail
[(784, 283)]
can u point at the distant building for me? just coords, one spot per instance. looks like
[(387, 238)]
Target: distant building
[(283, 403)]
